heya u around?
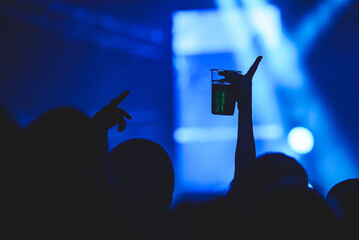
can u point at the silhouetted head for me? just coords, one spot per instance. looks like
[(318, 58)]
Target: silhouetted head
[(66, 143), (143, 173), (345, 196), (294, 211), (338, 189), (265, 171)]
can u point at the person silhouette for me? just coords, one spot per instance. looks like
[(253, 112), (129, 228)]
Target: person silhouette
[(67, 181), (221, 216), (143, 186), (253, 175)]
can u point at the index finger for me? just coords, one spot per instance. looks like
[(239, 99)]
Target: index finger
[(120, 98), (254, 67)]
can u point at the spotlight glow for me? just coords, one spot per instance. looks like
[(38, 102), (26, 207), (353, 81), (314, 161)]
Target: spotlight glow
[(300, 140)]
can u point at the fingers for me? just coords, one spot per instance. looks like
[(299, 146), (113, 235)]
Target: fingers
[(120, 119), (223, 73), (124, 113), (254, 67), (119, 99), (230, 75), (121, 125)]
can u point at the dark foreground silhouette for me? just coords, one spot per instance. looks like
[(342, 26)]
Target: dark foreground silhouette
[(60, 181), (65, 176), (143, 186), (344, 198)]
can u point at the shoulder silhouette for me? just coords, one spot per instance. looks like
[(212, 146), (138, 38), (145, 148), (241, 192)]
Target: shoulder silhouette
[(294, 211)]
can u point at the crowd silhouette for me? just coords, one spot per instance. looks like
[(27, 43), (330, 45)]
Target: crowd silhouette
[(59, 180)]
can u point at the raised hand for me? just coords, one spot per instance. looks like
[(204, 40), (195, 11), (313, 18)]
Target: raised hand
[(241, 84), (110, 115)]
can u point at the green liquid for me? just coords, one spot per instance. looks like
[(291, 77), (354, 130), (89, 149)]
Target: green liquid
[(223, 102)]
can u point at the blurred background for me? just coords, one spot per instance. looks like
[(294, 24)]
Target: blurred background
[(85, 53)]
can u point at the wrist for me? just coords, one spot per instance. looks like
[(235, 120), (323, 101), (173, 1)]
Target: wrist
[(245, 102)]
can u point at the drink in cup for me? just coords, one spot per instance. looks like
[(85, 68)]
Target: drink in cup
[(223, 102)]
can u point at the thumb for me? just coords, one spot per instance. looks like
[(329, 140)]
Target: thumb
[(254, 67)]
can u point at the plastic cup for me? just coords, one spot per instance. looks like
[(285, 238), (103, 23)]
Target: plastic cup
[(223, 102)]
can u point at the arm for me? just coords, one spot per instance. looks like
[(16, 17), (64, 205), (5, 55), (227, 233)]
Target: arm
[(242, 92)]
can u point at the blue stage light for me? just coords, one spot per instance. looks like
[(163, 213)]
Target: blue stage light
[(301, 140)]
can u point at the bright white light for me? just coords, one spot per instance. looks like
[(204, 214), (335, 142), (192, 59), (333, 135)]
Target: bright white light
[(300, 140)]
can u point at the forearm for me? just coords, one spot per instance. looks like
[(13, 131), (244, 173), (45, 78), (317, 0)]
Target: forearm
[(245, 150), (242, 92)]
